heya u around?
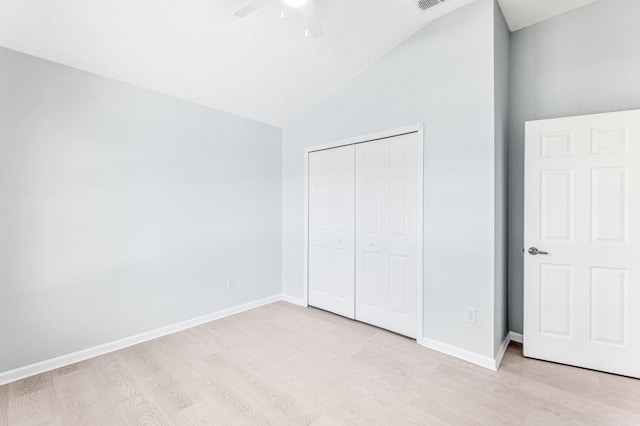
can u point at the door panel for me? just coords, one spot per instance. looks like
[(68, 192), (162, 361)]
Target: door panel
[(555, 300), (331, 230), (608, 305), (370, 274), (397, 205), (388, 182), (344, 275), (398, 274), (556, 195), (609, 207), (369, 208), (582, 207)]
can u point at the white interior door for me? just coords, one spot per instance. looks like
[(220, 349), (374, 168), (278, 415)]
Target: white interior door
[(388, 185), (582, 215), (331, 230)]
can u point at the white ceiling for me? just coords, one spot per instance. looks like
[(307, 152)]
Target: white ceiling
[(261, 67), (522, 13)]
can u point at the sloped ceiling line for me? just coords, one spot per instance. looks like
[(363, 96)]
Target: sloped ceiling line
[(260, 67)]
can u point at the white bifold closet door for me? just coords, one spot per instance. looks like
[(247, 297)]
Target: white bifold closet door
[(331, 230), (388, 185)]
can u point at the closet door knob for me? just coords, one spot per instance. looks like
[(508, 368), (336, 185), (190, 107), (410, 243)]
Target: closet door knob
[(340, 242), (371, 244)]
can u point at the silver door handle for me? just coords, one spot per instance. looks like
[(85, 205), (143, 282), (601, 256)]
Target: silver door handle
[(371, 244), (340, 242), (534, 251)]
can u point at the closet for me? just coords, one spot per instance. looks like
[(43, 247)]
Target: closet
[(365, 230)]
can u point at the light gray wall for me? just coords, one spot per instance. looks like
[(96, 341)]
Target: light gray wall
[(501, 87), (122, 210), (443, 77), (586, 61)]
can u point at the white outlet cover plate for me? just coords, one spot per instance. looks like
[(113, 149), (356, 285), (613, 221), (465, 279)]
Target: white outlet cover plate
[(471, 315)]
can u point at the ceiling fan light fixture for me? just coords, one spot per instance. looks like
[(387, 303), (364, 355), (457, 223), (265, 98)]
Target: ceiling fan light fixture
[(295, 3)]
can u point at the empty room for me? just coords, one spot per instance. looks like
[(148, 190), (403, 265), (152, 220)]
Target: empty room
[(319, 212)]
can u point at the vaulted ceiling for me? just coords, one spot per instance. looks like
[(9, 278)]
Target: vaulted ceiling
[(522, 13), (261, 66)]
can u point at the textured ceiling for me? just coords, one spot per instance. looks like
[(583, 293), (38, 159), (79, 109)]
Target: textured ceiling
[(522, 13), (261, 66)]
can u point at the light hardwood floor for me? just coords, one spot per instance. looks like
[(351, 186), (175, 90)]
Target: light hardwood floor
[(283, 364)]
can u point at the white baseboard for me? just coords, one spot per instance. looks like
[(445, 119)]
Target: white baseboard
[(472, 357), (515, 337), (294, 300), (64, 360), (501, 351)]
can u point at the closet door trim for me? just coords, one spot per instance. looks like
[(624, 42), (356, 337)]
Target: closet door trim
[(416, 128)]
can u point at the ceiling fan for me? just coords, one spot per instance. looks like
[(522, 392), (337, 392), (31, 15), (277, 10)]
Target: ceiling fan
[(306, 7)]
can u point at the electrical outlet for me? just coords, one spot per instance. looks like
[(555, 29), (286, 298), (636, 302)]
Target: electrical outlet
[(231, 282), (471, 315)]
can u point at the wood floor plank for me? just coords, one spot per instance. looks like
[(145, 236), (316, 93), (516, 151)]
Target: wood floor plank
[(158, 380), (194, 373), (300, 376), (273, 395), (82, 401), (128, 401), (33, 401), (4, 405), (206, 413), (238, 406), (138, 410), (30, 385), (284, 364), (621, 392), (70, 368), (583, 405)]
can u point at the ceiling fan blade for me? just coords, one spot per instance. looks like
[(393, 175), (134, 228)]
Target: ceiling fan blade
[(313, 20), (251, 6)]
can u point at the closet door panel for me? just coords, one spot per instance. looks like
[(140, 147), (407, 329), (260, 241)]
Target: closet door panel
[(331, 230), (370, 218), (387, 238), (371, 291)]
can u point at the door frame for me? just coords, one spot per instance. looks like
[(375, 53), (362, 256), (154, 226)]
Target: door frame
[(385, 134)]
